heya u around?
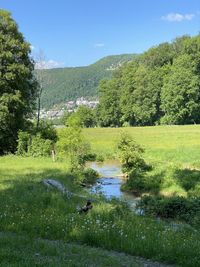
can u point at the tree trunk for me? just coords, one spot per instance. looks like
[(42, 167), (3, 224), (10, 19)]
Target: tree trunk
[(38, 113)]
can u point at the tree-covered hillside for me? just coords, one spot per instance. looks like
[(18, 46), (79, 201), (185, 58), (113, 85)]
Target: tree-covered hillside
[(70, 83)]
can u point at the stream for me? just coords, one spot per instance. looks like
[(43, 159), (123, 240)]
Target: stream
[(110, 181)]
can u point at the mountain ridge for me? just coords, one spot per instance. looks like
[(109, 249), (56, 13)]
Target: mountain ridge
[(70, 83)]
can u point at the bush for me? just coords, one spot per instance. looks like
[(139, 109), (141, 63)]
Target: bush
[(24, 140), (90, 157), (176, 207), (133, 164), (135, 182), (74, 146), (85, 177), (90, 176), (100, 158), (38, 141), (130, 154), (46, 130), (39, 147)]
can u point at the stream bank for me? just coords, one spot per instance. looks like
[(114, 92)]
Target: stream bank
[(110, 181)]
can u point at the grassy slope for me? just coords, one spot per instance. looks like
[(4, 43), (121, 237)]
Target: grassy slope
[(71, 83), (29, 209)]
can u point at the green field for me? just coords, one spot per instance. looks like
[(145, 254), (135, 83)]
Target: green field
[(32, 211), (173, 151), (180, 144)]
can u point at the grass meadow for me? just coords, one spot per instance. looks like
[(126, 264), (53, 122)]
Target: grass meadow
[(175, 144), (32, 216), (173, 151)]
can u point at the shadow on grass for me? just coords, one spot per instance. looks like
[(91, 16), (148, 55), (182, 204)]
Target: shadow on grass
[(153, 183), (170, 180), (30, 175), (28, 206), (150, 182), (189, 180)]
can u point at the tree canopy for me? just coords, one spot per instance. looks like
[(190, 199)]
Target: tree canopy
[(160, 86), (18, 88)]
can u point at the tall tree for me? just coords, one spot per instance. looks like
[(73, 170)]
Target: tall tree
[(181, 92), (128, 87), (108, 111), (87, 116), (18, 88)]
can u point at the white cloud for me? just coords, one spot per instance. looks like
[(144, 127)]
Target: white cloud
[(99, 45), (32, 47), (49, 64), (177, 17)]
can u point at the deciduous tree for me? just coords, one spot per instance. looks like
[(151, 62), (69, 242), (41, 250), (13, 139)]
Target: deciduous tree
[(18, 88)]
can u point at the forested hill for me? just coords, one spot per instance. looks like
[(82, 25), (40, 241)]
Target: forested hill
[(70, 83)]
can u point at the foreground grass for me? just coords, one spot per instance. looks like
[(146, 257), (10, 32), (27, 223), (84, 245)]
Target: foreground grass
[(28, 208), (18, 251)]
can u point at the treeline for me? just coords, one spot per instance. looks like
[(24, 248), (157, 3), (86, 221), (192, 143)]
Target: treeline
[(161, 86)]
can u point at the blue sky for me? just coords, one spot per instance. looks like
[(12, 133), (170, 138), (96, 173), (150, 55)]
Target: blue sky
[(79, 32)]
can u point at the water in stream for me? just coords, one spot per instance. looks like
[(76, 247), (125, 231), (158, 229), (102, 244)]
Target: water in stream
[(110, 182)]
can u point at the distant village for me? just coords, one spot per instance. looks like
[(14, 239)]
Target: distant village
[(70, 106)]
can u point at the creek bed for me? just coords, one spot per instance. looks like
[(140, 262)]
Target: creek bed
[(110, 181)]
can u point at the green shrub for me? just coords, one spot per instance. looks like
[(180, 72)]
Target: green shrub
[(46, 131), (130, 154), (24, 139), (39, 141), (39, 147), (176, 207), (74, 146), (100, 158), (90, 176), (194, 192), (133, 164), (90, 157)]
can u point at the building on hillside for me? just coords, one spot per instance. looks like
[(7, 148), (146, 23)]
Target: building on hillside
[(84, 102)]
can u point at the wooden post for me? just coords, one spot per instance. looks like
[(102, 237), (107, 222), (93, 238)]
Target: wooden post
[(53, 155)]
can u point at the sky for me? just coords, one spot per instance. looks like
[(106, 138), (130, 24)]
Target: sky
[(79, 32)]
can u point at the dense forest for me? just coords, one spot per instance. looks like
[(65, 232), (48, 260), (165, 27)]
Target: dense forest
[(161, 86), (70, 83)]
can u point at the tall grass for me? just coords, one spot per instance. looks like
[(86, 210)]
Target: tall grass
[(29, 208)]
